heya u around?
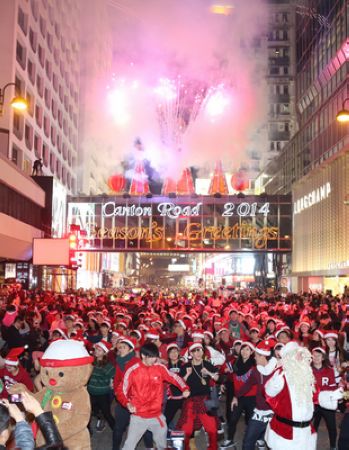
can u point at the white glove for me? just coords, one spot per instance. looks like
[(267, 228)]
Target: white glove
[(275, 384), (329, 399)]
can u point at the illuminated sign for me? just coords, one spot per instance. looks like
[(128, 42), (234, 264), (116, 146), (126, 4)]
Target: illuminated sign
[(311, 199), (173, 211), (206, 223)]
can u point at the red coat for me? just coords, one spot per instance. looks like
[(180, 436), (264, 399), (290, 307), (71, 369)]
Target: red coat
[(283, 403), (119, 374), (143, 387)]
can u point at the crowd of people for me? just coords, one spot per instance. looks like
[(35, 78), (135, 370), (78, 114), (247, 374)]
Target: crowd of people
[(167, 360)]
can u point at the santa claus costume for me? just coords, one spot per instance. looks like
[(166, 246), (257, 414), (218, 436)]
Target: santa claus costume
[(290, 394)]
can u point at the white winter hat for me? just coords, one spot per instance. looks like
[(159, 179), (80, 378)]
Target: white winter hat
[(65, 353)]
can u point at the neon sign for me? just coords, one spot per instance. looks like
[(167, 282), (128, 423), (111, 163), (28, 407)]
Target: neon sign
[(173, 211)]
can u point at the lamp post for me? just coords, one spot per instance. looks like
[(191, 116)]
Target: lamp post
[(343, 114), (18, 103)]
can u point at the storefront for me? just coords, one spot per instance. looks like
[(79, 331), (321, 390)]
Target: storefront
[(320, 253)]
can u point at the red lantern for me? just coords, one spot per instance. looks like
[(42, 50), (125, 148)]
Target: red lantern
[(239, 181), (117, 183)]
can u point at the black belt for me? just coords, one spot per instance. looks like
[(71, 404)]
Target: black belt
[(292, 423)]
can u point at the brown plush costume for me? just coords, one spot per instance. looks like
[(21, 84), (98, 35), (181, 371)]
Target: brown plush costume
[(66, 367)]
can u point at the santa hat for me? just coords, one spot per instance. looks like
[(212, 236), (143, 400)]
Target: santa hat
[(137, 333), (152, 334), (319, 332), (305, 321), (195, 345), (288, 348), (208, 333), (255, 328), (198, 334), (278, 345), (66, 353), (122, 324), (248, 344), (237, 342), (319, 349), (131, 342), (181, 323), (264, 347), (106, 323), (222, 329), (104, 345), (69, 317), (282, 329), (171, 346), (331, 334), (12, 356), (60, 331)]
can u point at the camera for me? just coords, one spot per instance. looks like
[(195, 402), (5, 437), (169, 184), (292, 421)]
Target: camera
[(16, 398)]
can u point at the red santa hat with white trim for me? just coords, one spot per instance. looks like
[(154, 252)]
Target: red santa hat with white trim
[(104, 345), (12, 357), (198, 334), (319, 349), (264, 347), (195, 345), (66, 353), (131, 342), (331, 334), (152, 334)]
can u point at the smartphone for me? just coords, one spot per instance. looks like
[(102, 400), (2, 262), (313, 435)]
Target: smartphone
[(16, 398)]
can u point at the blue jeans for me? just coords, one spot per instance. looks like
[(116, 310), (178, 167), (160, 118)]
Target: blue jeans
[(254, 432)]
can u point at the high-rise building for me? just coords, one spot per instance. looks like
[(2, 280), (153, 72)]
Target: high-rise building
[(39, 51), (39, 41), (314, 165), (95, 154), (281, 74)]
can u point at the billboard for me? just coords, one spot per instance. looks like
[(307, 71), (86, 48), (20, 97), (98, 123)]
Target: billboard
[(200, 223), (51, 252)]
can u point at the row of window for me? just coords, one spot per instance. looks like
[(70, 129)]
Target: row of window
[(277, 35), (278, 70), (27, 63)]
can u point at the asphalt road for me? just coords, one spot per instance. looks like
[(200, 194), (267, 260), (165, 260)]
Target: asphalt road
[(103, 440)]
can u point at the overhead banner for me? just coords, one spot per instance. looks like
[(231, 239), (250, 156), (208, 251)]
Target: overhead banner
[(232, 223)]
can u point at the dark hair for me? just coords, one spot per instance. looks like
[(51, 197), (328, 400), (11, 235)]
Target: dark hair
[(4, 418), (150, 350)]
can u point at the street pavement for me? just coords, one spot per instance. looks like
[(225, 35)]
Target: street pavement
[(103, 440)]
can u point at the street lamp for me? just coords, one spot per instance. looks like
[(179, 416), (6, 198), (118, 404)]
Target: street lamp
[(18, 103), (343, 114)]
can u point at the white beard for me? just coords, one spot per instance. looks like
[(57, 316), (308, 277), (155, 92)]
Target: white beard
[(296, 365)]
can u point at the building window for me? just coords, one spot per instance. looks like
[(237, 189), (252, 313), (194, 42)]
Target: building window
[(31, 102), (21, 55), (22, 20), (52, 162), (48, 97), (31, 71), (43, 27), (47, 126), (274, 71), (41, 52), (28, 136), (48, 69), (53, 135), (45, 154), (20, 86), (55, 82), (35, 9), (18, 125), (37, 146), (40, 85), (49, 40), (38, 115), (285, 70), (33, 39)]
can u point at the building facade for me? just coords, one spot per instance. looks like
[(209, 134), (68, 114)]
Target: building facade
[(40, 53), (317, 154)]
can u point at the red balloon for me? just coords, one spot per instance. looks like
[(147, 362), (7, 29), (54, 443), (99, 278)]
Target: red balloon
[(117, 183), (239, 181)]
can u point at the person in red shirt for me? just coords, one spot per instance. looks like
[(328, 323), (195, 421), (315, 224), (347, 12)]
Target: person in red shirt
[(142, 393), (13, 373), (325, 380)]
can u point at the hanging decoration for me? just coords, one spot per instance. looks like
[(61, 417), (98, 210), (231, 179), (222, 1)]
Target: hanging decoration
[(218, 183), (185, 185), (239, 181), (139, 183), (117, 183)]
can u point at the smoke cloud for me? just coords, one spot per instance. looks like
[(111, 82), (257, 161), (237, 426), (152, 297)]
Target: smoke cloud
[(214, 106)]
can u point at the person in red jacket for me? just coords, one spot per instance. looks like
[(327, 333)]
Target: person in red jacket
[(125, 359), (325, 380), (142, 392), (13, 373)]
